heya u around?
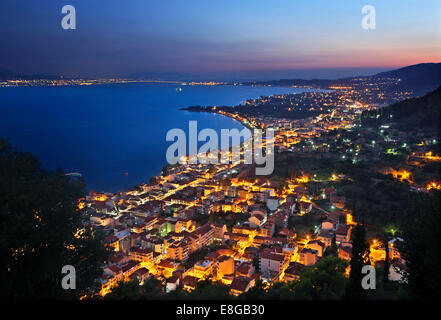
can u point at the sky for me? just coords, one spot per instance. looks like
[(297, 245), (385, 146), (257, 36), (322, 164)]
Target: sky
[(219, 39)]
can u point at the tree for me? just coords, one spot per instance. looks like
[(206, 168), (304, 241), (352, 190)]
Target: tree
[(323, 281), (422, 246), (42, 230), (207, 290), (360, 257), (256, 264), (257, 292), (386, 262), (125, 290), (152, 289), (333, 249), (334, 243)]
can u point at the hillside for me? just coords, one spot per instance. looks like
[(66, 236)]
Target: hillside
[(423, 112), (419, 78), (422, 78), (6, 74)]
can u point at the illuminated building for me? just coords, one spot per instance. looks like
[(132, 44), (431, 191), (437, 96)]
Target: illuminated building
[(203, 269), (241, 285), (308, 257), (343, 234), (144, 255), (178, 251), (201, 237)]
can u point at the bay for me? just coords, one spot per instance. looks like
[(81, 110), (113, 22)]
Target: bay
[(114, 135)]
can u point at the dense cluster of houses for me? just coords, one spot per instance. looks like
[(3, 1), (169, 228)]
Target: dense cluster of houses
[(157, 229), (156, 238)]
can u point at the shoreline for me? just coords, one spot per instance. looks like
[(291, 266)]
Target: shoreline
[(209, 109), (246, 125), (114, 181)]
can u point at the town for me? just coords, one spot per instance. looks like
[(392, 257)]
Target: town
[(222, 223), (60, 81)]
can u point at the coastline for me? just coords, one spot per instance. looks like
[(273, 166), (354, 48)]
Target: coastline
[(209, 109), (81, 131)]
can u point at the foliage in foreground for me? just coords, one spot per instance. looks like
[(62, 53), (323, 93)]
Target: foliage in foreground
[(39, 219)]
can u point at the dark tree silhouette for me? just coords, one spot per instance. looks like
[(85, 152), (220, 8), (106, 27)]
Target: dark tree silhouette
[(422, 246), (41, 230), (360, 257), (386, 262)]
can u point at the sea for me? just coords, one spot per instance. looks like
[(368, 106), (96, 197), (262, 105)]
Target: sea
[(113, 135)]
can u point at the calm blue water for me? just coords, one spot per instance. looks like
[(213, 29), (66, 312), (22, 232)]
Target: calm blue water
[(105, 131)]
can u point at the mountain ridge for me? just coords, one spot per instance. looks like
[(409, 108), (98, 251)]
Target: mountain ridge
[(420, 78), (420, 112)]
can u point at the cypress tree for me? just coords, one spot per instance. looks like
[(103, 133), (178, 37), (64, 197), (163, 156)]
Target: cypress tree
[(386, 263), (360, 257)]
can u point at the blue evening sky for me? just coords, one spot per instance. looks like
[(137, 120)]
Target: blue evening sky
[(231, 38)]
